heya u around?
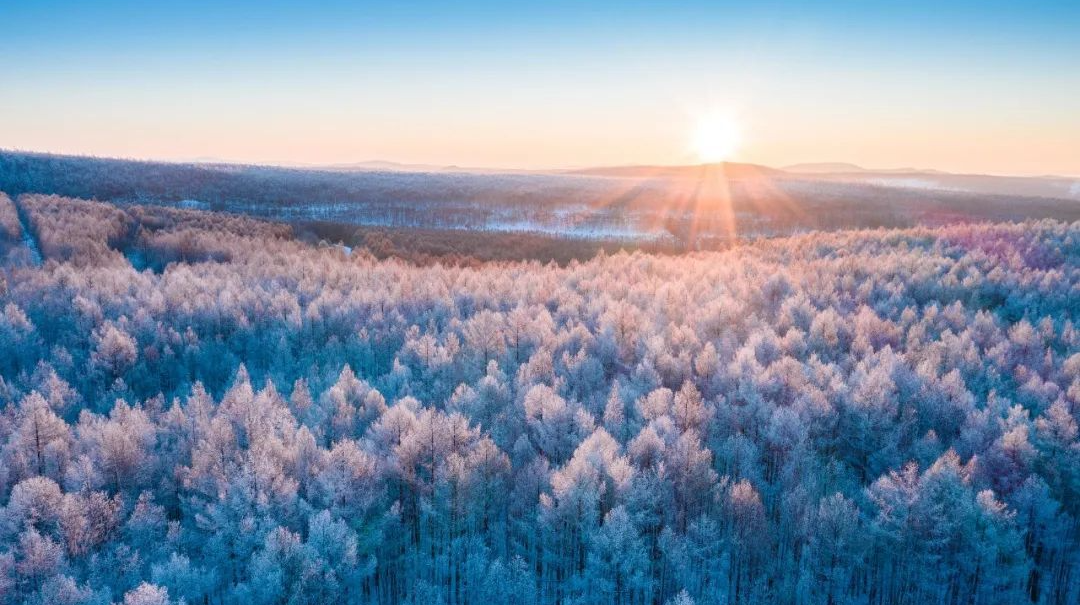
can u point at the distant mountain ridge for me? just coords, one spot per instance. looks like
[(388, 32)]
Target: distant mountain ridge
[(823, 167), (492, 184), (849, 168), (731, 170), (389, 166)]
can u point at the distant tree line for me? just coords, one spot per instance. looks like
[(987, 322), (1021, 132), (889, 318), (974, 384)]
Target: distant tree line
[(692, 214)]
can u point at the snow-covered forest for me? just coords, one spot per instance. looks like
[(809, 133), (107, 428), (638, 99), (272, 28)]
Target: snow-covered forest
[(198, 408), (688, 208)]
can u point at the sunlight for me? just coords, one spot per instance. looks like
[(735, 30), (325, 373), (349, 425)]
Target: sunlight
[(716, 138)]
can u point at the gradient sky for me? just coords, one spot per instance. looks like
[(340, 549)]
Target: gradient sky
[(973, 86)]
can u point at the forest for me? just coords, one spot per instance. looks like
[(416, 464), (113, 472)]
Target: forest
[(200, 407)]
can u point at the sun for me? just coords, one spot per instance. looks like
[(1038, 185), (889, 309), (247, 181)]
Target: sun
[(716, 138)]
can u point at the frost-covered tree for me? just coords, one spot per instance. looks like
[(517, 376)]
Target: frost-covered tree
[(863, 417)]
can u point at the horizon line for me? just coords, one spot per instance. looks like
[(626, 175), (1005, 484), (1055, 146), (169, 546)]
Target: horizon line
[(419, 167)]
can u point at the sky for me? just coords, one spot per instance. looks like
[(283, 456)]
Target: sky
[(986, 87)]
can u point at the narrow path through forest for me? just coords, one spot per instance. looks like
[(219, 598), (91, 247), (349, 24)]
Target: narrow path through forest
[(28, 236)]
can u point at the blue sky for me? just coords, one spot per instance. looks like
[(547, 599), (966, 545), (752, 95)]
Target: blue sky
[(986, 87)]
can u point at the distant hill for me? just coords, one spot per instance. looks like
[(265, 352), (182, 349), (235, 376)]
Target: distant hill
[(849, 168), (388, 166), (731, 170), (823, 168), (678, 207)]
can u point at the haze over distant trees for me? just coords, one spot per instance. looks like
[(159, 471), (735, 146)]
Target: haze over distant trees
[(558, 215), (198, 408)]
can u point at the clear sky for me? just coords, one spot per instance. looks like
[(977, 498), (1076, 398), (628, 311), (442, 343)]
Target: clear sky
[(964, 86)]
